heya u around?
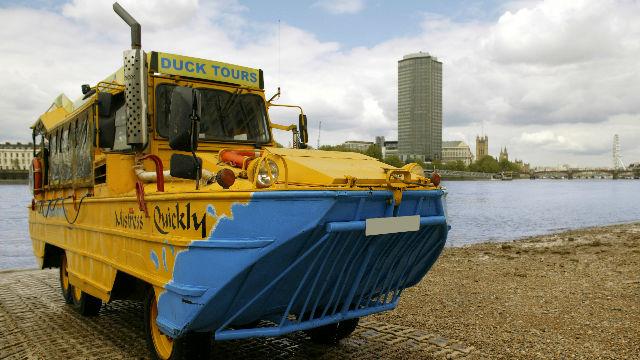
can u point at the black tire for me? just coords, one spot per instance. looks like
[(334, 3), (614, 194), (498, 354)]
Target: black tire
[(331, 334), (65, 286), (189, 346), (346, 328), (85, 304)]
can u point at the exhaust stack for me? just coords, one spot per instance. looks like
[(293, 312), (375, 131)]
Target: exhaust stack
[(135, 81), (136, 30)]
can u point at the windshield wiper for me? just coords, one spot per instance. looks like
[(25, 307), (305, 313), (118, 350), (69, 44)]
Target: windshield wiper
[(230, 102)]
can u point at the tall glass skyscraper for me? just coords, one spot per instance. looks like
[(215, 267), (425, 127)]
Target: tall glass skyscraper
[(420, 107)]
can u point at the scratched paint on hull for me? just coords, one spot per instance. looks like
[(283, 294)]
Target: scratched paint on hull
[(268, 222), (127, 240)]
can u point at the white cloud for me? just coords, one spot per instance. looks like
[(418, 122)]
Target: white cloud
[(548, 140), (493, 73), (154, 15), (451, 135), (340, 6), (559, 32)]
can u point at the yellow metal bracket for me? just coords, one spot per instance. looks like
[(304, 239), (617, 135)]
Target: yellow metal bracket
[(397, 196), (397, 179), (283, 127), (351, 181)]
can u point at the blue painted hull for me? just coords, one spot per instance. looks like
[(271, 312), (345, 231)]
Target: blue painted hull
[(300, 259)]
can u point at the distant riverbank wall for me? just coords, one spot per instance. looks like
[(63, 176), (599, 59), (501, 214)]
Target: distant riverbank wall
[(464, 175), (14, 176)]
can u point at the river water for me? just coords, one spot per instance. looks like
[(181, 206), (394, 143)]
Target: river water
[(478, 211)]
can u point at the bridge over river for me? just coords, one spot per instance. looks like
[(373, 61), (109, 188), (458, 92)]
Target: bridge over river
[(572, 173), (586, 173)]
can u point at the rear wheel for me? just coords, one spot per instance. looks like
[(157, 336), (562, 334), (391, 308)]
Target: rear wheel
[(64, 280), (332, 333), (85, 304), (189, 346)]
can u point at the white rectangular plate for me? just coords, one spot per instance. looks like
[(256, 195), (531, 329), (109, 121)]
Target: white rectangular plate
[(390, 225)]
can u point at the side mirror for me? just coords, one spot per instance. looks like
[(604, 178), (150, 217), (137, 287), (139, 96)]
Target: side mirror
[(185, 167), (105, 101), (108, 105), (302, 128), (107, 132), (183, 106)]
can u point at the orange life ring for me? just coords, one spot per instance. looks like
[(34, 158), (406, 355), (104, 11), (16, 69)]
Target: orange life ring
[(36, 168)]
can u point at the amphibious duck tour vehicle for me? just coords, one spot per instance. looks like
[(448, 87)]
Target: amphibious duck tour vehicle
[(238, 238)]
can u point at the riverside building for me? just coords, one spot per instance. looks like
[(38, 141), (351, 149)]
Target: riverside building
[(357, 145), (15, 156), (456, 150), (390, 148), (420, 107), (504, 155)]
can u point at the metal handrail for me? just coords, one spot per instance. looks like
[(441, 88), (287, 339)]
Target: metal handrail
[(355, 292)]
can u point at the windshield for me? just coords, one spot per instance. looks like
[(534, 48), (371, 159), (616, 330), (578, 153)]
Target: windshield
[(224, 116)]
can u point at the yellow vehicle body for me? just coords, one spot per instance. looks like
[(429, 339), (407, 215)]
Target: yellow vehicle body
[(218, 257)]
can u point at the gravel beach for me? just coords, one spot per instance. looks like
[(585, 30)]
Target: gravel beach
[(569, 295)]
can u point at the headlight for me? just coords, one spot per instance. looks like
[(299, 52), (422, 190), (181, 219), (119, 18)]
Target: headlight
[(417, 170), (267, 173)]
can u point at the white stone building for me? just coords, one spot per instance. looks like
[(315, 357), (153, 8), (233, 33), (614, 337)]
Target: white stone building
[(15, 156), (357, 145), (456, 150)]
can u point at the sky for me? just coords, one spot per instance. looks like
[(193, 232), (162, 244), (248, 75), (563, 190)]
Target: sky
[(552, 81)]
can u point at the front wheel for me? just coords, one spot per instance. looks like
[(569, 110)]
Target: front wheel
[(332, 333), (85, 304), (189, 346)]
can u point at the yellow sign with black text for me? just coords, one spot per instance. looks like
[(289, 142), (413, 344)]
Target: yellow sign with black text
[(186, 66)]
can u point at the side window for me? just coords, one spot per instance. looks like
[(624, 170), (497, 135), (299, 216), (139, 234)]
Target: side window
[(66, 173), (73, 134), (52, 144), (59, 142), (64, 146), (53, 173), (82, 151), (83, 131), (46, 153), (70, 152)]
